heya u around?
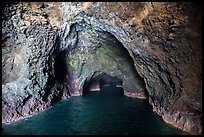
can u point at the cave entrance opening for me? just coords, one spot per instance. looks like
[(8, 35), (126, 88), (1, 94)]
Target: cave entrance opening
[(101, 82)]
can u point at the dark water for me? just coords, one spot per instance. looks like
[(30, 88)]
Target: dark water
[(105, 112)]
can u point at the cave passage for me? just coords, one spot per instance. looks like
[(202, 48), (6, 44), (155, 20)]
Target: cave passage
[(97, 59), (53, 52), (101, 81)]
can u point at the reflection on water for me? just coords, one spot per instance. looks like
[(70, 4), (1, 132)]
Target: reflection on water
[(105, 112)]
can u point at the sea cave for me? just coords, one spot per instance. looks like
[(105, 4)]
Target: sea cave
[(101, 68)]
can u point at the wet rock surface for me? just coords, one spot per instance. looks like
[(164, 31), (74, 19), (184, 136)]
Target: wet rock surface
[(50, 50)]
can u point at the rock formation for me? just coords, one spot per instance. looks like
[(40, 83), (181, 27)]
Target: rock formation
[(51, 51)]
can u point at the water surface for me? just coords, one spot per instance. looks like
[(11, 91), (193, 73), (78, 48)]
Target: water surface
[(106, 112)]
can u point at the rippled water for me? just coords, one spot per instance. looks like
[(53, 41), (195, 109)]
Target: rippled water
[(105, 112)]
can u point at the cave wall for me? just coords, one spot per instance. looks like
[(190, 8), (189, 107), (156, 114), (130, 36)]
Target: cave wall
[(28, 53), (163, 39)]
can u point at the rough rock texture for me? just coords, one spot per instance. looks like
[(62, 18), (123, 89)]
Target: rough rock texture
[(27, 53), (50, 50)]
